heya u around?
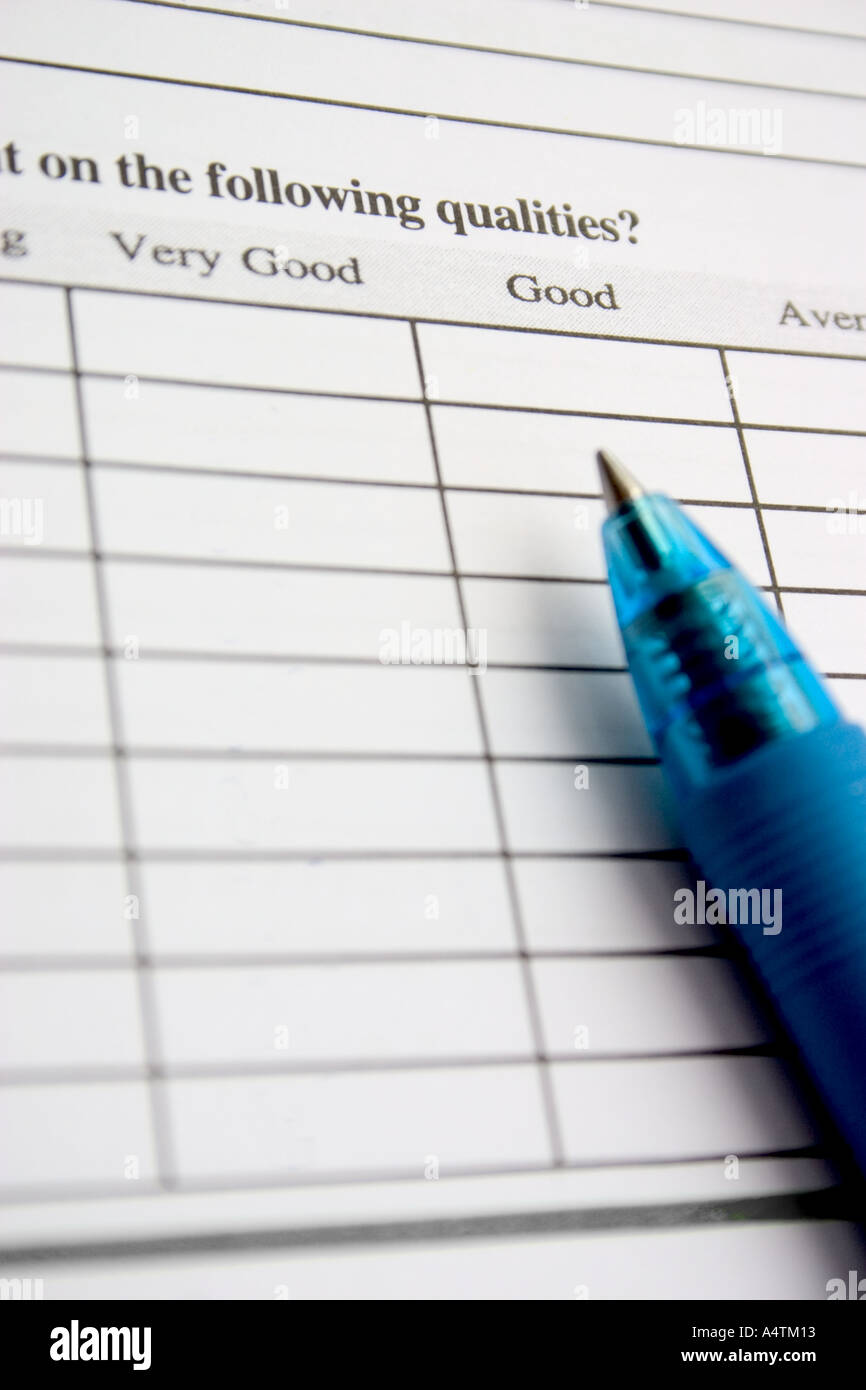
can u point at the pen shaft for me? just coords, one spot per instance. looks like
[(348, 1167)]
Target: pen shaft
[(791, 821)]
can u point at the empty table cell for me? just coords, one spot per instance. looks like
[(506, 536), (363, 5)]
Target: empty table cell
[(54, 1020), (266, 805), (494, 367), (510, 535), (38, 415), (58, 802), (48, 600), (292, 523), (246, 346), (257, 431), (357, 709), (342, 1014), (545, 624), (554, 713), (532, 451), (69, 1136), (818, 550), (54, 699), (587, 808), (188, 608), (65, 909), (353, 908), (822, 625), (702, 1107), (814, 392), (641, 1007), (586, 905), (34, 330), (359, 1124), (798, 469)]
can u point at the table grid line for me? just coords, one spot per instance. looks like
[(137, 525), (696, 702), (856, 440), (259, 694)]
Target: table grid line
[(165, 855), (54, 650), (19, 1077), (533, 1008), (536, 330), (189, 960), (130, 557), (313, 755), (144, 988), (439, 403), (765, 541), (191, 470)]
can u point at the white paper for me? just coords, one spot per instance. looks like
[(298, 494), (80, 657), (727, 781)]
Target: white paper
[(295, 897)]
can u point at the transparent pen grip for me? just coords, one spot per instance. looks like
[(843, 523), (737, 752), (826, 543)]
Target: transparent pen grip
[(791, 820)]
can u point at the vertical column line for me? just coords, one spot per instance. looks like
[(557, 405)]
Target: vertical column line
[(532, 1003), (753, 491), (123, 791)]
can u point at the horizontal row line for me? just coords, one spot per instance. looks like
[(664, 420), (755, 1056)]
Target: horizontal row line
[(85, 1076), (220, 562), (239, 960), (437, 403), (192, 470), (49, 649), (166, 855), (538, 330), (228, 754)]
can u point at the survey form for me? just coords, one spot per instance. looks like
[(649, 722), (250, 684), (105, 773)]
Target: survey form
[(339, 949)]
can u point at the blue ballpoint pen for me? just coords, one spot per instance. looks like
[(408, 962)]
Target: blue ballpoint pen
[(768, 779)]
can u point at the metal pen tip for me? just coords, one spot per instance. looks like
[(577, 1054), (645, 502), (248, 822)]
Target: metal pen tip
[(617, 484)]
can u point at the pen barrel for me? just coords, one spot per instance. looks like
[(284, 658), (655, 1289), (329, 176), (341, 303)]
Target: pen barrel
[(792, 819)]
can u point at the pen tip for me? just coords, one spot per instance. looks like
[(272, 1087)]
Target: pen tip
[(617, 484)]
